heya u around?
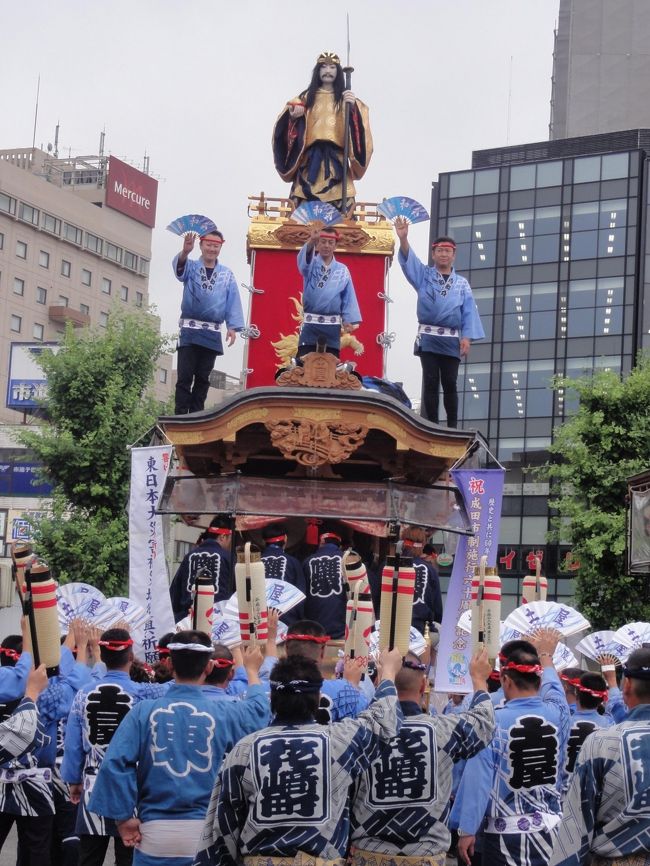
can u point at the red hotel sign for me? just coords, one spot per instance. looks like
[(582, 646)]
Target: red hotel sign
[(131, 191)]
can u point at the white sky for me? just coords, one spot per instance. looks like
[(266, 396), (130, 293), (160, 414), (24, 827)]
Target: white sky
[(197, 84)]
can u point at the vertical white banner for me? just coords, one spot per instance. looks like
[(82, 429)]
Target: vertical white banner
[(148, 579)]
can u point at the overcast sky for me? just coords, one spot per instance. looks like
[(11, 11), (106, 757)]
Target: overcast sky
[(197, 84)]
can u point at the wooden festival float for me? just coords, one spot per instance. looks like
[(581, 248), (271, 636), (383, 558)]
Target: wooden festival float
[(308, 444)]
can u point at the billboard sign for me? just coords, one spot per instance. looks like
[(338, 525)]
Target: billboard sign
[(132, 192), (27, 384)]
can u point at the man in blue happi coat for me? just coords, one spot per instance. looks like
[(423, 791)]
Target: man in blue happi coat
[(448, 321), (606, 815), (164, 757), (211, 554), (329, 300), (512, 789), (325, 585), (279, 565), (210, 297)]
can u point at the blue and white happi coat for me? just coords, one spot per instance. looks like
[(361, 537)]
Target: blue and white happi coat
[(96, 713), (279, 565), (443, 303), (327, 291), (401, 801), (286, 789), (207, 299), (607, 808), (325, 587), (583, 723), (515, 783), (163, 760)]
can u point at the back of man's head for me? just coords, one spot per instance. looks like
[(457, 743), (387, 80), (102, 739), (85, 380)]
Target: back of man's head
[(189, 664), (410, 680), (637, 671), (307, 638), (591, 691), (274, 533), (115, 649), (295, 689), (570, 678), (222, 668), (10, 650), (520, 664)]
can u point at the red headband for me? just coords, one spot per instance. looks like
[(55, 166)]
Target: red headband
[(523, 669), (329, 233), (219, 530), (572, 682), (312, 638), (11, 654), (495, 675), (163, 651), (223, 663), (595, 693), (215, 241), (449, 244), (329, 535), (275, 538), (116, 645)]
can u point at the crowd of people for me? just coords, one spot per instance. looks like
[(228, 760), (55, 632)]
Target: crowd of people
[(221, 755)]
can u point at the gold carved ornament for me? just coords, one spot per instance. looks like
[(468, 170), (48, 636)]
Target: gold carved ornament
[(316, 443)]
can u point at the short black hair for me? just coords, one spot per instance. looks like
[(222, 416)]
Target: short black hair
[(114, 659), (209, 234), (11, 642), (570, 674), (444, 239), (520, 652), (638, 659), (407, 678), (190, 664), (289, 706), (273, 530), (308, 649), (595, 682), (218, 676)]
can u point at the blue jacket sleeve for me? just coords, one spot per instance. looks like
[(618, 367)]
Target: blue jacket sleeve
[(305, 259), (115, 794), (234, 313), (615, 705), (471, 326), (13, 680), (473, 795), (74, 756), (350, 312), (412, 268)]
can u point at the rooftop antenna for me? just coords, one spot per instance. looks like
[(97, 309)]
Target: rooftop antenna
[(102, 137), (38, 90), (56, 140), (509, 102), (146, 163)]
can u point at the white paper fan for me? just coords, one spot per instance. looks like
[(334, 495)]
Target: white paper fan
[(619, 650), (73, 598), (282, 596), (184, 624), (465, 624), (417, 644), (547, 614), (99, 614), (564, 658), (634, 634), (130, 611), (593, 645), (312, 211)]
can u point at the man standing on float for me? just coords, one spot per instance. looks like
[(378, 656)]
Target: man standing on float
[(309, 138), (448, 321)]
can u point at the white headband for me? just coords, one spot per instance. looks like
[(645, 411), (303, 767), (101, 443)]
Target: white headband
[(193, 647)]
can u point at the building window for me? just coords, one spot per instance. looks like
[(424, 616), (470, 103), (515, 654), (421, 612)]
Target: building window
[(63, 301), (21, 249), (94, 243), (41, 295), (106, 285), (114, 253), (16, 324), (103, 319), (85, 309), (72, 233), (162, 375), (2, 241), (7, 203), (66, 268), (124, 293), (130, 260), (44, 259), (139, 299), (144, 267), (19, 286), (38, 331), (28, 214), (51, 224), (86, 277)]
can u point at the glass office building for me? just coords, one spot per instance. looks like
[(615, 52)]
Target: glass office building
[(551, 237)]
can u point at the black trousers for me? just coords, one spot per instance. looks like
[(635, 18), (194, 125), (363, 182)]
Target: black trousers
[(195, 363), (34, 837), (92, 851), (437, 369)]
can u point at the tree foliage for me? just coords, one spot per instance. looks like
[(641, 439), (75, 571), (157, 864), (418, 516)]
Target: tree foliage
[(597, 449), (96, 407)]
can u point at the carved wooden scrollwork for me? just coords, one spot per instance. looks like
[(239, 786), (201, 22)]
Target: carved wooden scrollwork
[(316, 443)]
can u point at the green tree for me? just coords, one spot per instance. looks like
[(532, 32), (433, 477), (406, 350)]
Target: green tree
[(607, 440), (98, 403)]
